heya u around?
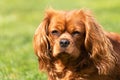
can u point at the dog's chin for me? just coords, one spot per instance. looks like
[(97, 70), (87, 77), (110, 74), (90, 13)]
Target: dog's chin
[(66, 59), (63, 55)]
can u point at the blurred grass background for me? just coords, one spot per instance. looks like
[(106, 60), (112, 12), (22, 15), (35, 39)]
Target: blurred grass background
[(20, 18)]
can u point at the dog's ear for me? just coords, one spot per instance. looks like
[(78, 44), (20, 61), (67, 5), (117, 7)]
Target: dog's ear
[(41, 41), (98, 45)]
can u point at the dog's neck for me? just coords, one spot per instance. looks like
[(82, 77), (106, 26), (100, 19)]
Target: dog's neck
[(64, 71)]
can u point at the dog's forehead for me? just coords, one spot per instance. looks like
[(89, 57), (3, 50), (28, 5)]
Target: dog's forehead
[(67, 20), (67, 15), (58, 16)]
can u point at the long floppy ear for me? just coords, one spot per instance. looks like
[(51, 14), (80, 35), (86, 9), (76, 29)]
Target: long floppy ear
[(98, 45), (41, 42)]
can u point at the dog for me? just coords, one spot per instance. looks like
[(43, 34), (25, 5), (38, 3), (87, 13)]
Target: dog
[(72, 45)]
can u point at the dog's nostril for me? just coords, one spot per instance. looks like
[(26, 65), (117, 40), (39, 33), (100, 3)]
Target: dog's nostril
[(64, 42)]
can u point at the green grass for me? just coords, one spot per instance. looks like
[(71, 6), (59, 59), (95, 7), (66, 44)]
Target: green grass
[(20, 18)]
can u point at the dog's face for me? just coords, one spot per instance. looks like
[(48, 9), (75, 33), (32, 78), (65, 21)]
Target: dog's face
[(66, 31)]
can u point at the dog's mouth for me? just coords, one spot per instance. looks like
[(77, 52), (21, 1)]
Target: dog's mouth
[(63, 55)]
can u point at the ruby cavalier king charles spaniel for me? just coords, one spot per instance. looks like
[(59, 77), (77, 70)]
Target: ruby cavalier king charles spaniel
[(71, 45)]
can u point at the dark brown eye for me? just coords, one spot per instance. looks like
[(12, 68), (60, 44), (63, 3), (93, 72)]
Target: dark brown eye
[(76, 33), (55, 32)]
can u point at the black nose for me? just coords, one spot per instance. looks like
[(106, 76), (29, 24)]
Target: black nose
[(64, 42)]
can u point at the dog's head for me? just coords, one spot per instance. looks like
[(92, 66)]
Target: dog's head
[(68, 35), (66, 31)]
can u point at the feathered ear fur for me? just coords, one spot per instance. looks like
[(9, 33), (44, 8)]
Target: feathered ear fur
[(41, 41), (98, 45)]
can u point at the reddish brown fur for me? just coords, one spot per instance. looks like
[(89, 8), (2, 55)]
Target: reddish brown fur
[(92, 53)]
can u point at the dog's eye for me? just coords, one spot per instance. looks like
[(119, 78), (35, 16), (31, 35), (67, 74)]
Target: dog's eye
[(75, 33), (55, 32)]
